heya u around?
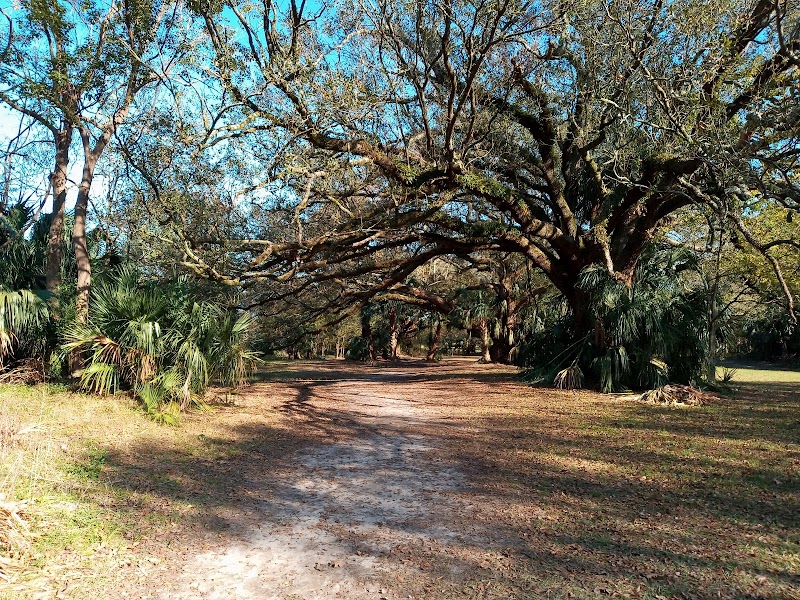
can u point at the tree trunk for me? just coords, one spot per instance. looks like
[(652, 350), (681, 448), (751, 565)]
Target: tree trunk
[(55, 236), (436, 340), (713, 313), (504, 347), (579, 303), (501, 351), (79, 242), (711, 354), (483, 327), (469, 347), (394, 333), (711, 359), (81, 249), (366, 334)]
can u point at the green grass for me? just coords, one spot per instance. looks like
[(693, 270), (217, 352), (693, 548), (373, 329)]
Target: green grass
[(90, 468), (753, 375), (52, 456), (88, 490)]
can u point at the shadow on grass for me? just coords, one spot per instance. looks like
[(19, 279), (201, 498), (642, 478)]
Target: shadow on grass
[(567, 497)]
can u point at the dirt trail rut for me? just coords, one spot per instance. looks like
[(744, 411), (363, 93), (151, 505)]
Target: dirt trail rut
[(332, 520)]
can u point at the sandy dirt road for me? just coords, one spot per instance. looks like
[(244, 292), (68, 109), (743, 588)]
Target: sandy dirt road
[(335, 519)]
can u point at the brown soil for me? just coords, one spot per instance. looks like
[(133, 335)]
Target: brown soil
[(454, 480)]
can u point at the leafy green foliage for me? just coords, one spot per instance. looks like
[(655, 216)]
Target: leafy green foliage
[(769, 336), (161, 341), (640, 336), (358, 349), (24, 313)]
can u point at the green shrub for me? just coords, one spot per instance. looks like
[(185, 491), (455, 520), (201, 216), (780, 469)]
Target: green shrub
[(160, 340), (640, 336)]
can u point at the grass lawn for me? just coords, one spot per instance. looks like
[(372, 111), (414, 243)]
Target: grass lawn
[(59, 457), (638, 501), (583, 495), (754, 374)]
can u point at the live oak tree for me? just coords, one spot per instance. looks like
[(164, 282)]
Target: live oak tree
[(567, 134)]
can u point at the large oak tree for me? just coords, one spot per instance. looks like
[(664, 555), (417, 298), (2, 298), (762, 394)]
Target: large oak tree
[(569, 133)]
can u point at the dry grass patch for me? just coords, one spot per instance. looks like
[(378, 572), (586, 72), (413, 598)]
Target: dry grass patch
[(14, 539), (102, 485)]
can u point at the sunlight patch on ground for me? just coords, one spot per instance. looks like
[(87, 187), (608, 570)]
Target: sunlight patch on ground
[(755, 375)]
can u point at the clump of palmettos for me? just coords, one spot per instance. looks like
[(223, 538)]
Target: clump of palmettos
[(158, 339), (23, 315), (638, 336), (161, 341), (24, 312)]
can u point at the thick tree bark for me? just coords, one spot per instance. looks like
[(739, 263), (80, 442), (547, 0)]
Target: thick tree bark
[(394, 333), (58, 182), (504, 346), (502, 349), (436, 341), (368, 336), (483, 327), (79, 242)]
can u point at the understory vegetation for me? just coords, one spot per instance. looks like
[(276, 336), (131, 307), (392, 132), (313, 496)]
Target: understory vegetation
[(636, 337), (164, 339)]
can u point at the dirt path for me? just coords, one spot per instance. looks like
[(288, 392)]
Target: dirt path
[(338, 512)]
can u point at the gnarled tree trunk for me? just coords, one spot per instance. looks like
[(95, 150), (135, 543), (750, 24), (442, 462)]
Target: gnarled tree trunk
[(483, 328), (436, 341), (394, 333), (367, 335)]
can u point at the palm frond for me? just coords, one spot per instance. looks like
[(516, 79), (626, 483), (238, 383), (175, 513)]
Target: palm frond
[(23, 313), (570, 378), (100, 378)]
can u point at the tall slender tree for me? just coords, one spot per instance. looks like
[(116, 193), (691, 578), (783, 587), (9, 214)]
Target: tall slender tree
[(77, 70)]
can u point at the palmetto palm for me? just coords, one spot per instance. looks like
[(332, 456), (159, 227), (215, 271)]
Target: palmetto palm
[(23, 316), (23, 308), (649, 332), (160, 340), (637, 336)]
